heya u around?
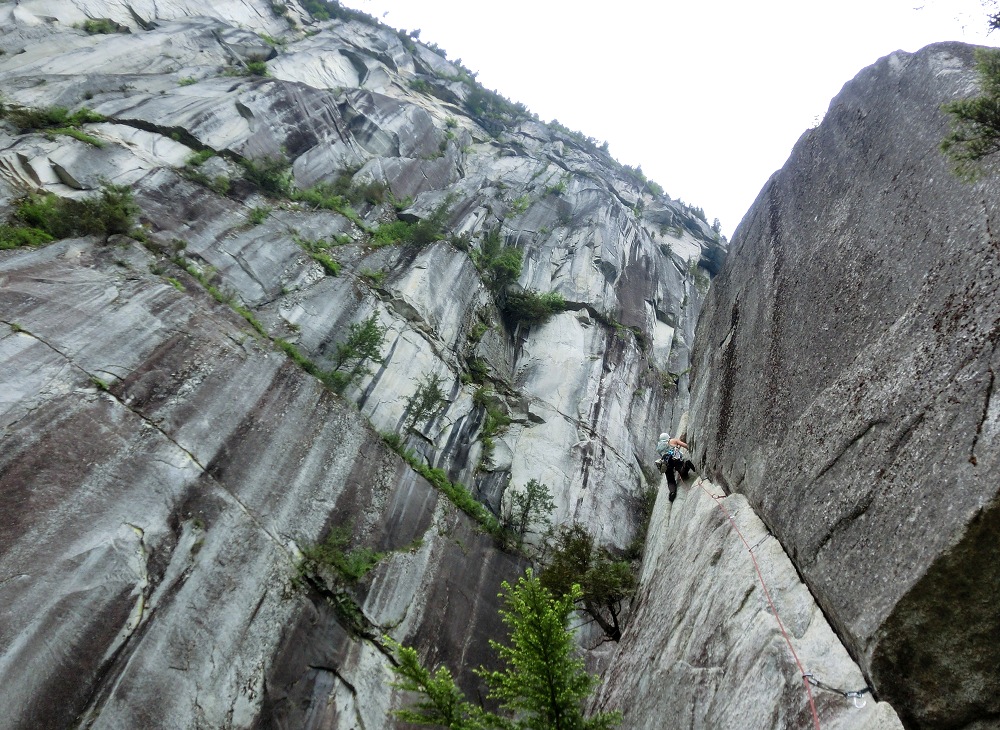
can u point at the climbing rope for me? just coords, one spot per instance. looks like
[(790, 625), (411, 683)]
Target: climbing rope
[(805, 676)]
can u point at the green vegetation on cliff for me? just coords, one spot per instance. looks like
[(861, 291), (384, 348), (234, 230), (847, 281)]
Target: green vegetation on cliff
[(544, 683), (52, 120), (531, 307), (41, 218), (500, 266), (334, 554), (605, 583), (975, 132), (530, 512)]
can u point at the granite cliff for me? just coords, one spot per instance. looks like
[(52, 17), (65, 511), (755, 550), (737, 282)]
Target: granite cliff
[(845, 384), (182, 423), (171, 447)]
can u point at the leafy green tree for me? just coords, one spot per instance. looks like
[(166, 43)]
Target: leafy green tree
[(543, 685), (363, 344), (427, 401), (605, 582), (529, 508), (975, 131)]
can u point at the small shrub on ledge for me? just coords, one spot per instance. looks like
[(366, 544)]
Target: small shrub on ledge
[(530, 307), (40, 218)]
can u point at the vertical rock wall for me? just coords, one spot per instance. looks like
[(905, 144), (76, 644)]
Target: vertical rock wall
[(845, 383), (152, 526), (367, 103)]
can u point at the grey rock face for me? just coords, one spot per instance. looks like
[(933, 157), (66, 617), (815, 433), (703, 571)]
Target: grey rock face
[(152, 526), (164, 463), (705, 647), (845, 383)]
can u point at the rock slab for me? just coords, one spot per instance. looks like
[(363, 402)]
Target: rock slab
[(706, 646)]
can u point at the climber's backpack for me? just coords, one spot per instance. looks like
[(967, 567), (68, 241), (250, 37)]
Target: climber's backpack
[(673, 453)]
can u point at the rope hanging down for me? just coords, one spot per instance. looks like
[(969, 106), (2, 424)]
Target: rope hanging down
[(805, 677)]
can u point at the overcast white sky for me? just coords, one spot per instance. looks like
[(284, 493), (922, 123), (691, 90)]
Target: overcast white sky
[(708, 96)]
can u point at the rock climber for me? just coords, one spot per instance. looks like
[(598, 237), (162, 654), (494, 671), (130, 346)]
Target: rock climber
[(672, 461)]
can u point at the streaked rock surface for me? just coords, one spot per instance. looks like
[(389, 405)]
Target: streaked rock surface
[(164, 464), (152, 526), (846, 364), (164, 461)]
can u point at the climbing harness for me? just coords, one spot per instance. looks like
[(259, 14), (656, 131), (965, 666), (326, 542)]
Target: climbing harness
[(857, 695), (774, 611)]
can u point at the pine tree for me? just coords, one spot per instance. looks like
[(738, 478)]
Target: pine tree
[(531, 507), (544, 683), (975, 122), (363, 343), (442, 703), (542, 687), (427, 401)]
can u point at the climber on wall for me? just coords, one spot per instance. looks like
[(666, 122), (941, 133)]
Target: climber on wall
[(672, 461)]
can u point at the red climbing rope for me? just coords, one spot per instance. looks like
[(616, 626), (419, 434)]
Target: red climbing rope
[(756, 565)]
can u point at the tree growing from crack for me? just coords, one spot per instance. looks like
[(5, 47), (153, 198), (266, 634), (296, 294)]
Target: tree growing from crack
[(363, 345)]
